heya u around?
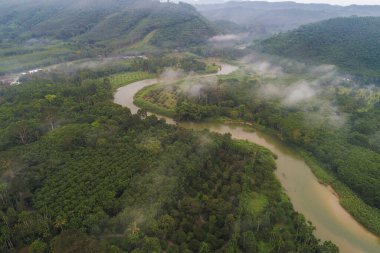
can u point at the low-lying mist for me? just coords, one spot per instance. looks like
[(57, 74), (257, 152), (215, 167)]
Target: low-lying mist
[(296, 85)]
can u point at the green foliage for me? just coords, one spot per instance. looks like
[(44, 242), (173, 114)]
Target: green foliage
[(16, 59), (121, 79), (35, 34), (255, 203), (38, 247), (187, 63), (191, 111), (72, 241), (179, 26), (224, 52), (349, 153), (104, 180), (349, 43)]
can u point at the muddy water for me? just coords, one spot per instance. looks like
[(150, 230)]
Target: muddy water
[(317, 202)]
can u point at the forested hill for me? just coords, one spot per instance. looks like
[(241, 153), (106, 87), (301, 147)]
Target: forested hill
[(263, 18), (350, 43), (115, 23)]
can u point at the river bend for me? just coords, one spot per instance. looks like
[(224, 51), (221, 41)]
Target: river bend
[(317, 202)]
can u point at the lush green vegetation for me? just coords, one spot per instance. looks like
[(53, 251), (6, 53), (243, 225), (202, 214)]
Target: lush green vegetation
[(118, 80), (158, 102), (17, 59), (82, 174), (349, 152), (95, 21), (35, 34), (181, 62), (350, 43)]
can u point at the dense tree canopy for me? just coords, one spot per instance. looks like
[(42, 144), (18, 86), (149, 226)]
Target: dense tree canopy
[(82, 174), (40, 33), (350, 151), (350, 43)]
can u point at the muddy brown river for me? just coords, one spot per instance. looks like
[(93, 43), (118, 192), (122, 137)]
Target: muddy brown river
[(316, 202)]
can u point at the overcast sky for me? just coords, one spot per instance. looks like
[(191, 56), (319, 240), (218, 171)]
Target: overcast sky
[(339, 2)]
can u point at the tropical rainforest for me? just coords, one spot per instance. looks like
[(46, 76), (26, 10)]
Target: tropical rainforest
[(349, 149), (337, 127), (32, 35), (79, 173), (350, 43)]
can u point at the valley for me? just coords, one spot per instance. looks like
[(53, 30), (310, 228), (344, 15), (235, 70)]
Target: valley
[(146, 126)]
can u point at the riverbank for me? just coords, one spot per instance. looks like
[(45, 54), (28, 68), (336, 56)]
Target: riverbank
[(322, 205), (366, 215)]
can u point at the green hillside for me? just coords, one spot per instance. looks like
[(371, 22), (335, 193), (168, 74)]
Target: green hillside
[(350, 43), (178, 24), (31, 32)]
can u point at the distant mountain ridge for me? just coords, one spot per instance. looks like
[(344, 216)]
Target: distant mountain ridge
[(280, 16)]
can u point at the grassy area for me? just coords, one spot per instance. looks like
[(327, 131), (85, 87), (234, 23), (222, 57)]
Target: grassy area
[(35, 57), (212, 68), (256, 203), (144, 44), (141, 101), (121, 79), (264, 247), (159, 96)]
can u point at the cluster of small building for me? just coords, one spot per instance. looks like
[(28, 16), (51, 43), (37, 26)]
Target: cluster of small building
[(128, 57), (30, 72), (7, 80), (15, 79)]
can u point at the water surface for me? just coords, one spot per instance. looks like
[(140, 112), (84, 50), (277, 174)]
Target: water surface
[(317, 202)]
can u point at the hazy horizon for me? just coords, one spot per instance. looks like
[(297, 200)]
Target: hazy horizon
[(332, 2)]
